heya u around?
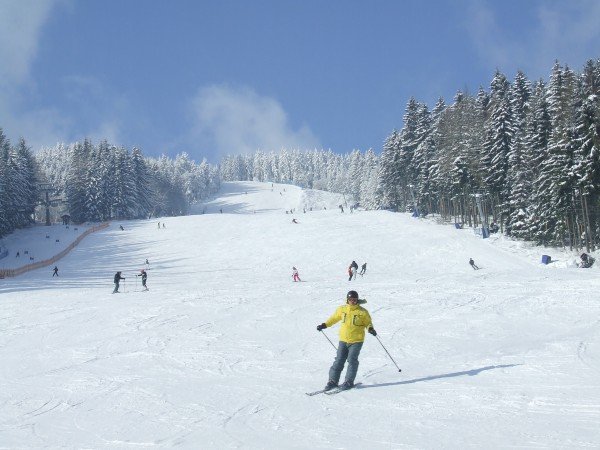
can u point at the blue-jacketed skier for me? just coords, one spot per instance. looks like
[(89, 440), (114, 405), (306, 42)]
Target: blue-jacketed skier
[(355, 320)]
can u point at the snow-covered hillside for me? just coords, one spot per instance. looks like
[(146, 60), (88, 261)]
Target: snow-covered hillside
[(221, 350)]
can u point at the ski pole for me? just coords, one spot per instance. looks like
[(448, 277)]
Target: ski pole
[(329, 340), (399, 370)]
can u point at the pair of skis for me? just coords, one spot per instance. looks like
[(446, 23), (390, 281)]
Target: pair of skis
[(333, 391)]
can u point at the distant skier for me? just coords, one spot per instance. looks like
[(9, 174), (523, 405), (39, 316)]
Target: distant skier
[(55, 271), (295, 274), (363, 269), (117, 279), (121, 227), (294, 221), (164, 225), (147, 262), (352, 270), (473, 265), (586, 261), (18, 255), (159, 225), (144, 276), (355, 319)]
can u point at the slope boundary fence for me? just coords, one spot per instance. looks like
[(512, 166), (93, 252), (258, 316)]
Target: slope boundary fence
[(9, 273)]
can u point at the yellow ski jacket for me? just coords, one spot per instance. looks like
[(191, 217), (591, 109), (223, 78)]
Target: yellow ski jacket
[(355, 319)]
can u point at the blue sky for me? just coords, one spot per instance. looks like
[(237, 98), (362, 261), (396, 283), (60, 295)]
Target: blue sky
[(230, 76)]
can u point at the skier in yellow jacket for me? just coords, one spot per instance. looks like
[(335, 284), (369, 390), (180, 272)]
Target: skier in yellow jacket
[(355, 320)]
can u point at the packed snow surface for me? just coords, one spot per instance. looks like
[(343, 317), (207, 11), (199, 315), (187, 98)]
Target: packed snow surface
[(220, 351)]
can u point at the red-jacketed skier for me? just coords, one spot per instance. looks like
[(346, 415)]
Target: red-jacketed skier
[(295, 274), (352, 268), (144, 276)]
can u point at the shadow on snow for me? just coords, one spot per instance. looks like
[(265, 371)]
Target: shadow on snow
[(470, 373)]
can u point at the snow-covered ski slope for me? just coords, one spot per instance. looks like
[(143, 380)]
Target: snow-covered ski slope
[(221, 350)]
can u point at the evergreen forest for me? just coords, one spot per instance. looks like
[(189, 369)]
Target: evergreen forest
[(526, 151)]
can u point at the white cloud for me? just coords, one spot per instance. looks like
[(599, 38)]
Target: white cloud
[(230, 120), (100, 111), (21, 22), (565, 31), (42, 127), (487, 36), (569, 32)]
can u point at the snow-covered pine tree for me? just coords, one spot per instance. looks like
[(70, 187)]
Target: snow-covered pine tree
[(497, 145), (6, 192), (408, 142), (354, 179), (141, 178), (368, 183), (587, 171), (75, 183), (26, 181), (388, 195), (519, 176), (539, 127), (556, 178)]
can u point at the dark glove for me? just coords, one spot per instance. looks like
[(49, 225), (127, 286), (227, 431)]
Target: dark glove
[(321, 327), (372, 331)]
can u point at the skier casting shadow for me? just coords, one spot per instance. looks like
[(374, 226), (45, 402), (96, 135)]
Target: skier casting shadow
[(295, 274), (355, 320), (473, 265)]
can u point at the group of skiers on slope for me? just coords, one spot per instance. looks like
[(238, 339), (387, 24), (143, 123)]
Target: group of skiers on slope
[(352, 270), (118, 277), (355, 320), (587, 261)]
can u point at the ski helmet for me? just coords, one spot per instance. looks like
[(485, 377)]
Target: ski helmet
[(352, 294)]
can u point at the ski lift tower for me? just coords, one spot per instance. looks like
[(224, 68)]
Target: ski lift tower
[(412, 195), (46, 201), (485, 230)]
